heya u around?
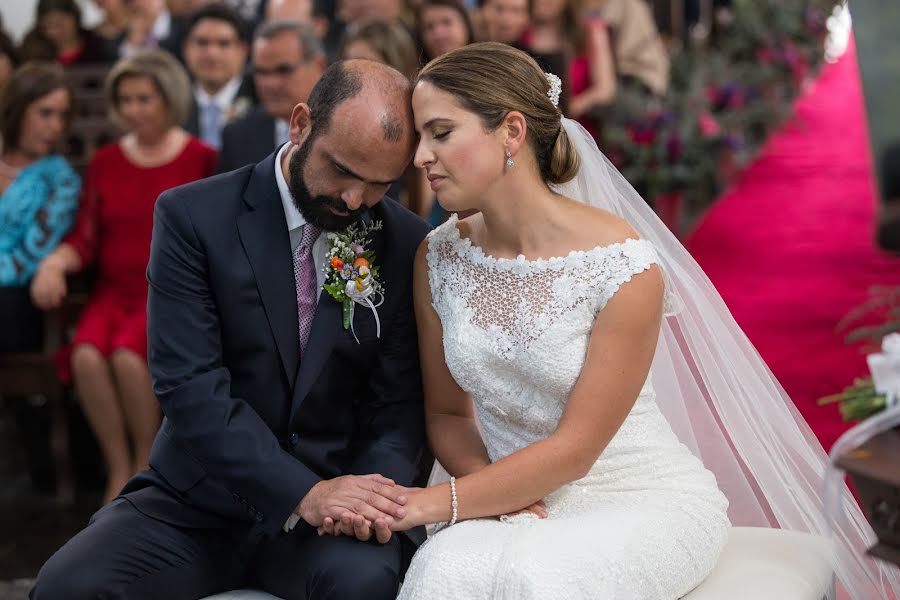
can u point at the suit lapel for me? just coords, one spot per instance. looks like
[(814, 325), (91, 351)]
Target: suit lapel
[(326, 327), (264, 236)]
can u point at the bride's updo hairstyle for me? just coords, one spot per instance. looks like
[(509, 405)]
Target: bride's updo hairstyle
[(491, 80)]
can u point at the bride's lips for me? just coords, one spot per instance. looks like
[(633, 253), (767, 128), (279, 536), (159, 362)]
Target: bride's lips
[(435, 181)]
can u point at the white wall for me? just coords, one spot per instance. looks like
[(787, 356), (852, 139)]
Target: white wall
[(18, 15)]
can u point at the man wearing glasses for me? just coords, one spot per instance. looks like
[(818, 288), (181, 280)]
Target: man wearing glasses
[(287, 60)]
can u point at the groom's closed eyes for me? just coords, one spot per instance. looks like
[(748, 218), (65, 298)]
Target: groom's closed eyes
[(344, 170)]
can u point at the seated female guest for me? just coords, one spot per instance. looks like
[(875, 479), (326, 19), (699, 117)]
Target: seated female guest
[(38, 193), (443, 25), (58, 31), (148, 93)]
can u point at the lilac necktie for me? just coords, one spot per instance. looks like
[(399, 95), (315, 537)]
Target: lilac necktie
[(305, 278)]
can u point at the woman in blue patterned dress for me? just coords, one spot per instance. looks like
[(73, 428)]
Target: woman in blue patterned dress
[(38, 193)]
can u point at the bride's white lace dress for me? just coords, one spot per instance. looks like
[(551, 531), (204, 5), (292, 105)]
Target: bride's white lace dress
[(647, 521)]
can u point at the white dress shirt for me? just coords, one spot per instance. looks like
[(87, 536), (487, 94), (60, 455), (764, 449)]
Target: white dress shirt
[(223, 99), (210, 126)]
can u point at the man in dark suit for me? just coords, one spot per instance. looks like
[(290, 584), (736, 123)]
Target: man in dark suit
[(276, 414), (287, 60), (215, 52)]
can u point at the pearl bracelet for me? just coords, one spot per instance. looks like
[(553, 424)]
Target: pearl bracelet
[(453, 502)]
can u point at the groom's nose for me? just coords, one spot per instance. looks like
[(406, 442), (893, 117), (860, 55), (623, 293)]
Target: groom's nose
[(353, 197)]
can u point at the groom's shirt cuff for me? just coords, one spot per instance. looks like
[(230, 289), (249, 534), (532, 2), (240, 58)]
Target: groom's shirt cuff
[(291, 522)]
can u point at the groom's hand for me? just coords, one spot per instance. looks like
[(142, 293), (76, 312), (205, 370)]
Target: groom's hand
[(357, 526), (372, 497)]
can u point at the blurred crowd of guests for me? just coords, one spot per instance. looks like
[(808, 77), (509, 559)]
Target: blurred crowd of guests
[(197, 87)]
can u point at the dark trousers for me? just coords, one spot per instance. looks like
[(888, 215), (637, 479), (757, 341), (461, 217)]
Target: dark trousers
[(125, 554)]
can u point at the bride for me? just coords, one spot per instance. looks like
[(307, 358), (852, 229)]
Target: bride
[(602, 418)]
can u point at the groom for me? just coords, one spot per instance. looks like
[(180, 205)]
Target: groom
[(276, 416)]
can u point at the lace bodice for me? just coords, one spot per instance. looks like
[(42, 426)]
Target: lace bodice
[(516, 330)]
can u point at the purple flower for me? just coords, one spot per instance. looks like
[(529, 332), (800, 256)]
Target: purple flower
[(347, 273), (358, 249)]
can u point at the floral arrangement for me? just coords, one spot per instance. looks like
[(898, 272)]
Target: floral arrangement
[(876, 323), (351, 272), (725, 98)]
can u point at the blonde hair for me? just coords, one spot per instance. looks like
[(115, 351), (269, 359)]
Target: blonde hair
[(492, 80), (164, 71)]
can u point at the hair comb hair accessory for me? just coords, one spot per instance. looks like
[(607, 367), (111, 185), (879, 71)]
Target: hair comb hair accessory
[(555, 88)]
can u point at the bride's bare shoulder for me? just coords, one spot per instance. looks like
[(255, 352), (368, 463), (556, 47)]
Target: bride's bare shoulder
[(598, 226)]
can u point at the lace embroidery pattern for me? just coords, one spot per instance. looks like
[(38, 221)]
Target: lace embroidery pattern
[(515, 301)]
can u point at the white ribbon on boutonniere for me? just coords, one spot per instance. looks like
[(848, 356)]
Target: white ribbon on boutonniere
[(351, 273), (361, 292)]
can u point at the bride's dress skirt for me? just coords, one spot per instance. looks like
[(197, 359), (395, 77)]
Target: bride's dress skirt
[(644, 524)]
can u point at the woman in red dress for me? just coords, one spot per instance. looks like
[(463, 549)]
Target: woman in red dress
[(107, 361)]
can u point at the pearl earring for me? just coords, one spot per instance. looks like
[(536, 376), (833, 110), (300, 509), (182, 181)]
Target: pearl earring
[(509, 159)]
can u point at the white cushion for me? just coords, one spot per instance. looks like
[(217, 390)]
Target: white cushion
[(773, 564), (757, 563), (243, 595)]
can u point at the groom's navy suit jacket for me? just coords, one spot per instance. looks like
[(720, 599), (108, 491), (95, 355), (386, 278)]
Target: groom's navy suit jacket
[(250, 426)]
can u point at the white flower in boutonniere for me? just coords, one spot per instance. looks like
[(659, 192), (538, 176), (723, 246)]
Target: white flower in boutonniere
[(351, 274), (238, 109)]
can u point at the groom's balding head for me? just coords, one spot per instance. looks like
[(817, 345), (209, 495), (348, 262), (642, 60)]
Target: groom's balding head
[(365, 97)]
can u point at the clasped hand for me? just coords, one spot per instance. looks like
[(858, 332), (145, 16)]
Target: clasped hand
[(357, 505)]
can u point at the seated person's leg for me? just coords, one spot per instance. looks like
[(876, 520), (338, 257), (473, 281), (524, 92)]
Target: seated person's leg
[(304, 566), (125, 554)]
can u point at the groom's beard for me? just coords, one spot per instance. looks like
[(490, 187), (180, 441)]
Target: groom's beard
[(317, 210)]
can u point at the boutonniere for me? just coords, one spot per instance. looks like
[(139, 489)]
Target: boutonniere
[(238, 109), (351, 273)]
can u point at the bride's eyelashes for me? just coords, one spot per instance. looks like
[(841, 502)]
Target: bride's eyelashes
[(441, 136)]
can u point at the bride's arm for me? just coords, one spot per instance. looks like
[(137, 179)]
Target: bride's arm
[(449, 412), (620, 351)]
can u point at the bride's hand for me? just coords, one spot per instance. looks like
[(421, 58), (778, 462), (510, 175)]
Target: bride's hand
[(539, 509), (415, 511)]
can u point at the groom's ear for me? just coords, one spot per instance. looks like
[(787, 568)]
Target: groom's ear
[(516, 130), (300, 123)]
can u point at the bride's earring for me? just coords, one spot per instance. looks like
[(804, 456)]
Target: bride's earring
[(509, 159)]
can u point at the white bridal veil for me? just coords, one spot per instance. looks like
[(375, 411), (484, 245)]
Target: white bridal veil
[(723, 402)]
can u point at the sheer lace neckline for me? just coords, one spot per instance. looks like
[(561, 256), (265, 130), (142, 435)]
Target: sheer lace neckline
[(465, 247)]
